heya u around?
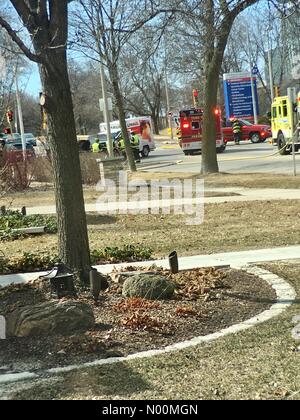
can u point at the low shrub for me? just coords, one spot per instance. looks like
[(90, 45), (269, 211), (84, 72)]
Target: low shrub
[(15, 220), (27, 262), (43, 261), (89, 168), (126, 253)]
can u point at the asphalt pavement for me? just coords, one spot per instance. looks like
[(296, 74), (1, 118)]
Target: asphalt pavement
[(244, 158)]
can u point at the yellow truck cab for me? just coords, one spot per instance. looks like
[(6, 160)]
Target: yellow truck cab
[(285, 122)]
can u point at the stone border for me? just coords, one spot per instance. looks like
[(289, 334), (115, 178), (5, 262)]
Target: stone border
[(286, 296)]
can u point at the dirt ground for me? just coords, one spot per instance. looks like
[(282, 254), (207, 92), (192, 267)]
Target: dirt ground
[(124, 326)]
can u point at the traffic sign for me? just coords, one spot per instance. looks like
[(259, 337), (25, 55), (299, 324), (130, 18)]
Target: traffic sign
[(238, 95), (255, 70)]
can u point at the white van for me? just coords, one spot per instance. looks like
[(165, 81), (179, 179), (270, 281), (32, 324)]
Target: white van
[(139, 125)]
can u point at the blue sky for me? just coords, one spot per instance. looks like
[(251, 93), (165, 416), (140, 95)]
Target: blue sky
[(30, 82)]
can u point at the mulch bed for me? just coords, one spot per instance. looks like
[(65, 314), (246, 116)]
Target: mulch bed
[(206, 301)]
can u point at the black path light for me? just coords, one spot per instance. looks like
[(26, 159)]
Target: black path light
[(62, 281), (173, 262), (98, 283)]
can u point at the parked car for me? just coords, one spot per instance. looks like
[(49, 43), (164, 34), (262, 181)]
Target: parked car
[(30, 139), (13, 138), (13, 151), (257, 133)]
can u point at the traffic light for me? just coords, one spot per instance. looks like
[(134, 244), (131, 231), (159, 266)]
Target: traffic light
[(277, 91), (9, 116), (196, 98), (7, 131)]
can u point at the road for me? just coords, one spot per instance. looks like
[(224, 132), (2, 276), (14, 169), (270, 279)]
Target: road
[(245, 158)]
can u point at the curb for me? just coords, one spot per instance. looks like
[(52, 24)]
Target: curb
[(286, 296)]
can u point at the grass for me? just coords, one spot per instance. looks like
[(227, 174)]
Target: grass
[(260, 363), (43, 194), (226, 227)]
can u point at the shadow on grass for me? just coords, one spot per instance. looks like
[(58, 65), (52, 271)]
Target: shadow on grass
[(105, 382), (98, 219)]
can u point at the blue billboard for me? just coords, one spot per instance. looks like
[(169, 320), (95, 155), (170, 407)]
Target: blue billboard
[(238, 95)]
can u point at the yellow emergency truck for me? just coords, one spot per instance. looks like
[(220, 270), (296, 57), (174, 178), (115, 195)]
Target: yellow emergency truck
[(285, 117)]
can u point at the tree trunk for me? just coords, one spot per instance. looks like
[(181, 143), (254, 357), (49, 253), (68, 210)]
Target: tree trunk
[(72, 227), (209, 154), (121, 111), (216, 41), (155, 119)]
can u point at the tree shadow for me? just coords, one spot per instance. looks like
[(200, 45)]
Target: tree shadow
[(103, 382), (98, 219)]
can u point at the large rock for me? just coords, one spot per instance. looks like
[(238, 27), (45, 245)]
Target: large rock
[(148, 286), (47, 318)]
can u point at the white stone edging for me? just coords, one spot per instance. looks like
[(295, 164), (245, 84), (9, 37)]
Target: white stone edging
[(285, 297)]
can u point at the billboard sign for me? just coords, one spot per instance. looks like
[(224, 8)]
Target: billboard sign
[(238, 95)]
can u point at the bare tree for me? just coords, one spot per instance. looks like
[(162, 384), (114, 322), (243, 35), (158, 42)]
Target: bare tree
[(46, 22), (142, 78), (104, 28)]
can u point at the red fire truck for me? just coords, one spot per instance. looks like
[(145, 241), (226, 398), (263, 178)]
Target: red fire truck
[(191, 122)]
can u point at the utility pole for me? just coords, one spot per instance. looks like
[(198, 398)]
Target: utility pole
[(20, 115), (16, 119), (271, 75), (252, 80), (169, 114), (106, 112)]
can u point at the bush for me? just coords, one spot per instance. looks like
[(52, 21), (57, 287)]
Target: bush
[(15, 220), (27, 262), (42, 261), (43, 171), (116, 254), (16, 175), (89, 168)]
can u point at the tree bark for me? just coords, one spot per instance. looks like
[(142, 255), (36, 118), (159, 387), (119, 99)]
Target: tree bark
[(72, 226), (155, 119), (214, 54), (209, 154), (113, 71)]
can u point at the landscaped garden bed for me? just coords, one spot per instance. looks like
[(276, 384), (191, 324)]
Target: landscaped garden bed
[(204, 301)]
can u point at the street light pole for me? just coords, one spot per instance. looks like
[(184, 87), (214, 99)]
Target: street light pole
[(252, 80), (106, 112), (20, 115), (169, 117), (271, 75)]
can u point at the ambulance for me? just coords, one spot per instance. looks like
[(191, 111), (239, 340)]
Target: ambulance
[(191, 127), (285, 118), (139, 125)]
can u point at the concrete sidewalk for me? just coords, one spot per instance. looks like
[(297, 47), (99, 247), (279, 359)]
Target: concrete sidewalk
[(235, 259), (244, 195)]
